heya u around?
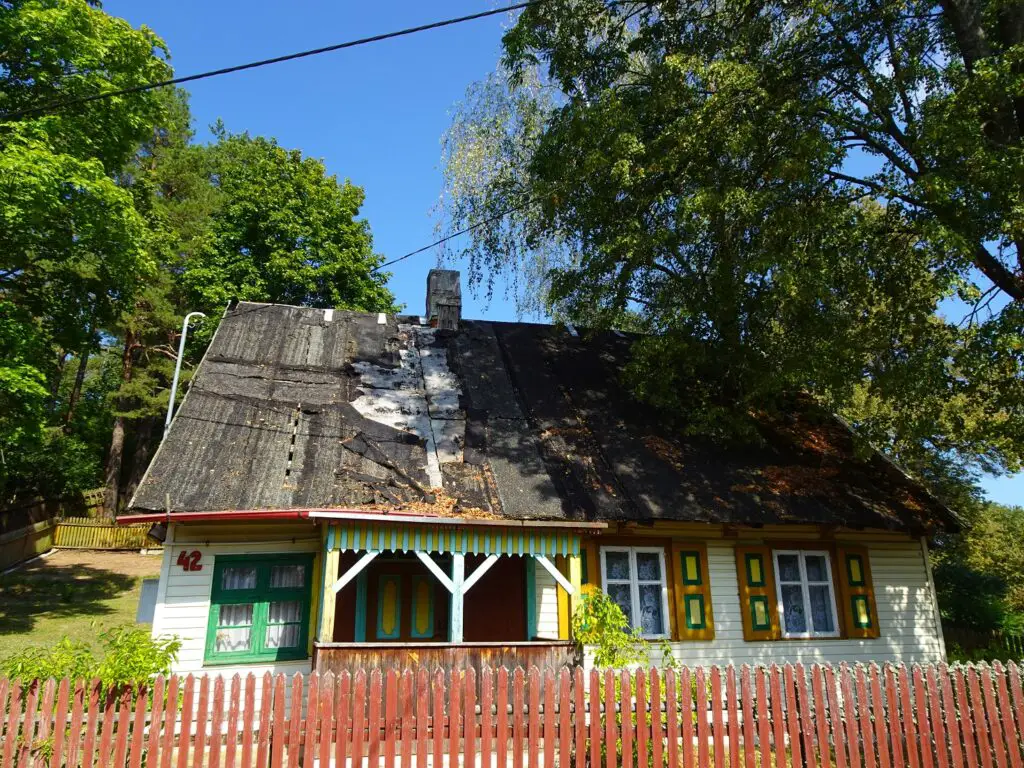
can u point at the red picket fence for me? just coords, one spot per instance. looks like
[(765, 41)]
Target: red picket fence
[(924, 717)]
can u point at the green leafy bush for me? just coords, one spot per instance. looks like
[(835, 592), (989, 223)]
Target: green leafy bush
[(128, 655), (600, 626)]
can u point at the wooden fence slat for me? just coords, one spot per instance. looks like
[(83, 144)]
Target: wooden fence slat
[(249, 716), (595, 719), (610, 731), (325, 714), (123, 727), (391, 716), (343, 716), (550, 722), (455, 715), (864, 714), (994, 723), (747, 708), (155, 722), (105, 749), (485, 730), (763, 716), (642, 723), (821, 715), (276, 734), (307, 726), (1013, 745), (686, 716), (139, 728), (186, 721), (717, 725), (437, 721), (892, 709), (878, 714), (951, 724), (657, 732), (534, 717), (700, 705), (671, 716), (938, 726), (806, 718), (13, 723), (793, 730), (978, 714), (74, 743), (216, 722), (170, 720), (836, 720), (909, 726), (59, 723), (89, 742), (28, 725), (970, 744), (231, 736), (501, 706), (626, 708), (778, 718), (405, 712), (45, 721), (924, 730), (850, 715), (202, 715), (373, 703), (518, 703), (733, 723), (1017, 692), (469, 718)]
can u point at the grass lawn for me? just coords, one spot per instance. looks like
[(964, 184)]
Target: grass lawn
[(76, 593)]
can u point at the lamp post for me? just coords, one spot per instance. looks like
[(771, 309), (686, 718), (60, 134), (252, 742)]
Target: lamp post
[(177, 367)]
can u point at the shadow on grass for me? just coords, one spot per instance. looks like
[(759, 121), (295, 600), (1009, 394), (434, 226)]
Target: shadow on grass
[(57, 591)]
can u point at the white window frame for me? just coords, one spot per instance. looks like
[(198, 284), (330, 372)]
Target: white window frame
[(802, 555), (634, 586)]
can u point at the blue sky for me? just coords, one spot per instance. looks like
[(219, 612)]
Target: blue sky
[(374, 114)]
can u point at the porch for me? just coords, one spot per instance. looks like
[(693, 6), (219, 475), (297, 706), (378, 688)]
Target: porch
[(450, 594)]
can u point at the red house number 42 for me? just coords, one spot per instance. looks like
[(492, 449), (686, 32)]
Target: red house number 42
[(189, 561)]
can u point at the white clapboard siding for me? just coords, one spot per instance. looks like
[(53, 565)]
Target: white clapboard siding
[(546, 597), (183, 600), (906, 615)]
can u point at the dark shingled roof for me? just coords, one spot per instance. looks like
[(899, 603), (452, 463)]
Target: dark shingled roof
[(542, 430)]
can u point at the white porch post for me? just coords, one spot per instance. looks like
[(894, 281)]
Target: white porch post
[(458, 582)]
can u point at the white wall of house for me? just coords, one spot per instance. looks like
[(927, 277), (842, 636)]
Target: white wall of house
[(183, 600), (545, 595), (908, 622)]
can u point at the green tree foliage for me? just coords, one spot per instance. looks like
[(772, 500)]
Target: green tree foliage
[(781, 196)]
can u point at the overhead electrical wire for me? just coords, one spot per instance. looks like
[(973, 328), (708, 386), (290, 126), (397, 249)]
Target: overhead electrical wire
[(65, 103)]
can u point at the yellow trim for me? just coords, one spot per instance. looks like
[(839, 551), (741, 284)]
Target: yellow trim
[(845, 591), (563, 600), (593, 561), (314, 609), (765, 590), (329, 574), (685, 591)]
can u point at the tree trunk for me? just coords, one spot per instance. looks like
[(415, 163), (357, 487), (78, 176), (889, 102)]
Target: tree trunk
[(76, 390), (142, 451), (112, 480)]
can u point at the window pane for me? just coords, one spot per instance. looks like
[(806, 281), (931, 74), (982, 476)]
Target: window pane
[(789, 568), (816, 570), (793, 608), (234, 615), (821, 609), (233, 640), (281, 612), (621, 595), (651, 619), (648, 566), (287, 576), (617, 565), (282, 636), (238, 577)]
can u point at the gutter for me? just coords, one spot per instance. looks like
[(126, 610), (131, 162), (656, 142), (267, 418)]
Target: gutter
[(346, 514)]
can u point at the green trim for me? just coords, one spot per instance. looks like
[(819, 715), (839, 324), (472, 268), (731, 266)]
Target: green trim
[(359, 633), (754, 623), (701, 622), (699, 581), (260, 597), (750, 557), (413, 633), (397, 632), (862, 581), (531, 598), (854, 600)]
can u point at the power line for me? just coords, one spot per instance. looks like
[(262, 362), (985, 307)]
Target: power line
[(62, 104), (446, 238)]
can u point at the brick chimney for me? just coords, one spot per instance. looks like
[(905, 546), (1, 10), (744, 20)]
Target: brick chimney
[(444, 299)]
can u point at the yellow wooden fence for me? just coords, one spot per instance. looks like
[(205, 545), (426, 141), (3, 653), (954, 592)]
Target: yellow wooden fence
[(98, 533)]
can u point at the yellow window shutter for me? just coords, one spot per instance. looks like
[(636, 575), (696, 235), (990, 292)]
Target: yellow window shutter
[(856, 592), (695, 619), (757, 593)]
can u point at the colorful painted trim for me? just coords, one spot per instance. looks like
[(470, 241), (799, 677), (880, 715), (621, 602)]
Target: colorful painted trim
[(422, 538)]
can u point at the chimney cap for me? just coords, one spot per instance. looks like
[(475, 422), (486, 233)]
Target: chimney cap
[(444, 298)]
